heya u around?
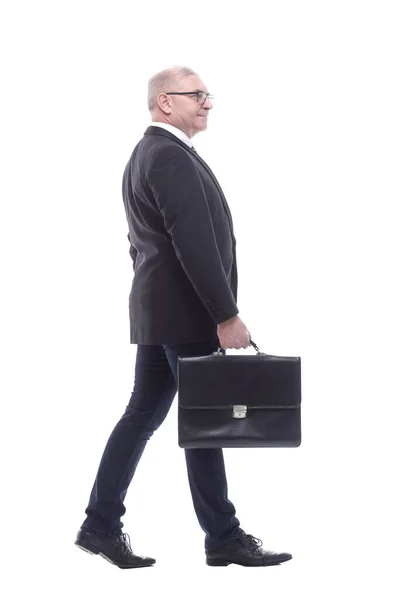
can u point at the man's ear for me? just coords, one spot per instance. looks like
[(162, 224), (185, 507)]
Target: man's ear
[(164, 103)]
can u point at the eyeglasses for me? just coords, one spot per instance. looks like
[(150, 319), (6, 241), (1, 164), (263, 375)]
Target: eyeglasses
[(201, 96)]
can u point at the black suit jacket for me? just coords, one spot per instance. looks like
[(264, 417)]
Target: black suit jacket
[(182, 244)]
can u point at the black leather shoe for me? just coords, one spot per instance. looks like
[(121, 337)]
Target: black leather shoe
[(114, 548), (246, 551)]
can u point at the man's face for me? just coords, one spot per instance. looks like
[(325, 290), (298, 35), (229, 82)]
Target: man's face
[(187, 114)]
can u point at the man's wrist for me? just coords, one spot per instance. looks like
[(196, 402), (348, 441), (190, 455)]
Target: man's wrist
[(228, 321)]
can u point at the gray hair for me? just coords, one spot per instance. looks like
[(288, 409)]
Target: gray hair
[(165, 81)]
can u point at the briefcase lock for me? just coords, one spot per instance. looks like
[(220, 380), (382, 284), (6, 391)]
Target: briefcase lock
[(239, 411)]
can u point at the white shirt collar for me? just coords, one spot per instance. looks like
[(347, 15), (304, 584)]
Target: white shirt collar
[(177, 132)]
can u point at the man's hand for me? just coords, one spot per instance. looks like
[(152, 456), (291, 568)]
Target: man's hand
[(233, 334)]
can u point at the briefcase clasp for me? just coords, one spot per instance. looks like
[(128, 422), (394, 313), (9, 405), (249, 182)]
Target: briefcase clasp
[(239, 411)]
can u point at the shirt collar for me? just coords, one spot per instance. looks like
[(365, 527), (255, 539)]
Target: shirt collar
[(175, 131)]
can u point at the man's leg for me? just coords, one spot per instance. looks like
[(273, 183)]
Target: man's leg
[(206, 469), (151, 399)]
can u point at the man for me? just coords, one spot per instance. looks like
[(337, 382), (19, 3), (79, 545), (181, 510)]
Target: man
[(182, 303)]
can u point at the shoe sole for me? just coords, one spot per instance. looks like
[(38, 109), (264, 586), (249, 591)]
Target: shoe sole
[(93, 550), (216, 562)]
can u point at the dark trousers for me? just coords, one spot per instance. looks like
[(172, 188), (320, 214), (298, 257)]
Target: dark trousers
[(155, 388)]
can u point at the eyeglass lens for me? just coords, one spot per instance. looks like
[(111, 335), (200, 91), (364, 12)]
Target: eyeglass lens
[(201, 97)]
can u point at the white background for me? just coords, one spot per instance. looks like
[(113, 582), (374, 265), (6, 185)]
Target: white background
[(304, 139)]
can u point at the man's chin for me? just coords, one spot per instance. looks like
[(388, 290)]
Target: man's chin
[(201, 126)]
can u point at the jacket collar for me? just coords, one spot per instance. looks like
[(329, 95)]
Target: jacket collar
[(154, 130)]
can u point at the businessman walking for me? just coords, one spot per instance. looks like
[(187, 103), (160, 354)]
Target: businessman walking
[(182, 303)]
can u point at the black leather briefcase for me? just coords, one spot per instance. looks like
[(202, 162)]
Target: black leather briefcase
[(239, 401)]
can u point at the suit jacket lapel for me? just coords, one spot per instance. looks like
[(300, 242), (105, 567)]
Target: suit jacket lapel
[(205, 165)]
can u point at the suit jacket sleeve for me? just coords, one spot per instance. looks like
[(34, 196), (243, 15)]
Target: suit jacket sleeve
[(181, 199), (132, 252)]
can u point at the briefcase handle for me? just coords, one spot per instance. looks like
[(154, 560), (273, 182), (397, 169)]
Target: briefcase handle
[(218, 353)]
